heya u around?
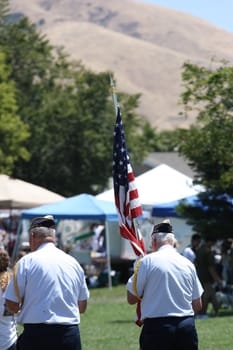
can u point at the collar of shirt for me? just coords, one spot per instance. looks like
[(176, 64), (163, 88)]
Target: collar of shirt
[(48, 244), (166, 246)]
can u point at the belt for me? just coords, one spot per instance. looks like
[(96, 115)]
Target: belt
[(47, 325), (166, 318)]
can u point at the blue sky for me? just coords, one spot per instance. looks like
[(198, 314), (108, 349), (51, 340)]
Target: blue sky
[(217, 12)]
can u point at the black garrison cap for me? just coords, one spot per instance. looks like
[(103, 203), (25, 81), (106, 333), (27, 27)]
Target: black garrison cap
[(164, 227), (44, 221)]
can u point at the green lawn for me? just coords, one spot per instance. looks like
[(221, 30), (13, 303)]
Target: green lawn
[(108, 324), (216, 332)]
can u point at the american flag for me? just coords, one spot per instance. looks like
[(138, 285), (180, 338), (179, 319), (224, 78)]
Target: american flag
[(125, 191)]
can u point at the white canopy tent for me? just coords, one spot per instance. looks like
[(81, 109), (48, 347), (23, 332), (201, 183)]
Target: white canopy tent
[(162, 184)]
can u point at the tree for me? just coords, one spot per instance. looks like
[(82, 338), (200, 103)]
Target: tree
[(208, 146), (13, 132), (168, 140), (4, 10), (70, 114)]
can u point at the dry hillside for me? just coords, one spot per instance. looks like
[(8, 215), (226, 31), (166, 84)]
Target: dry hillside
[(144, 45)]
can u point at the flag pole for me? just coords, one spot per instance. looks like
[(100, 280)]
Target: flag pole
[(137, 229), (108, 254), (114, 96)]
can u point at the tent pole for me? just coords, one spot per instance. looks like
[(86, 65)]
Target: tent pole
[(17, 242), (108, 254)]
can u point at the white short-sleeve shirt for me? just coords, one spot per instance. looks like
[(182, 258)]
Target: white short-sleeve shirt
[(8, 331), (189, 254), (50, 283), (167, 283)]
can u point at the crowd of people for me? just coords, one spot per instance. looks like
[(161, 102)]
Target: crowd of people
[(8, 231), (46, 290), (214, 264)]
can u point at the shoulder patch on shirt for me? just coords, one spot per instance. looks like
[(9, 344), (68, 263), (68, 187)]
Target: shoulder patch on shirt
[(135, 279)]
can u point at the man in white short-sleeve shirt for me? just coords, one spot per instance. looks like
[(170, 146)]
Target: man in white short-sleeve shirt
[(190, 251), (170, 293), (49, 292)]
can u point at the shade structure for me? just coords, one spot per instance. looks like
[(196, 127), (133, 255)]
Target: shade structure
[(162, 184), (169, 209), (80, 207), (19, 194)]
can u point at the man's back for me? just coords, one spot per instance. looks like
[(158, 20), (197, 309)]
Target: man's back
[(170, 292), (168, 279), (49, 290), (50, 282)]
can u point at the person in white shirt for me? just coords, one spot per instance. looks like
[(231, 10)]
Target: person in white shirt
[(190, 251), (170, 294), (49, 291), (8, 331)]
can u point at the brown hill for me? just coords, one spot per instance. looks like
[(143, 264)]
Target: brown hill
[(144, 45)]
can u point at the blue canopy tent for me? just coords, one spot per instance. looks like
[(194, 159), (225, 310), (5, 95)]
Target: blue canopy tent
[(169, 209), (80, 207), (183, 230)]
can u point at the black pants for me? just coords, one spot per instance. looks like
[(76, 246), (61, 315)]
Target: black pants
[(169, 333), (12, 347), (42, 336)]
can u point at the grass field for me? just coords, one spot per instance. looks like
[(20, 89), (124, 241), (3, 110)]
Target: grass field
[(108, 324)]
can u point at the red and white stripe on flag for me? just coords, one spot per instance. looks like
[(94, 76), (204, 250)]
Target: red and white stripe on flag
[(126, 194)]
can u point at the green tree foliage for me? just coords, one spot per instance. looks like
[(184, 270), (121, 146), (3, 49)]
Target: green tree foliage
[(208, 145), (168, 140), (4, 10), (13, 132), (70, 114)]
